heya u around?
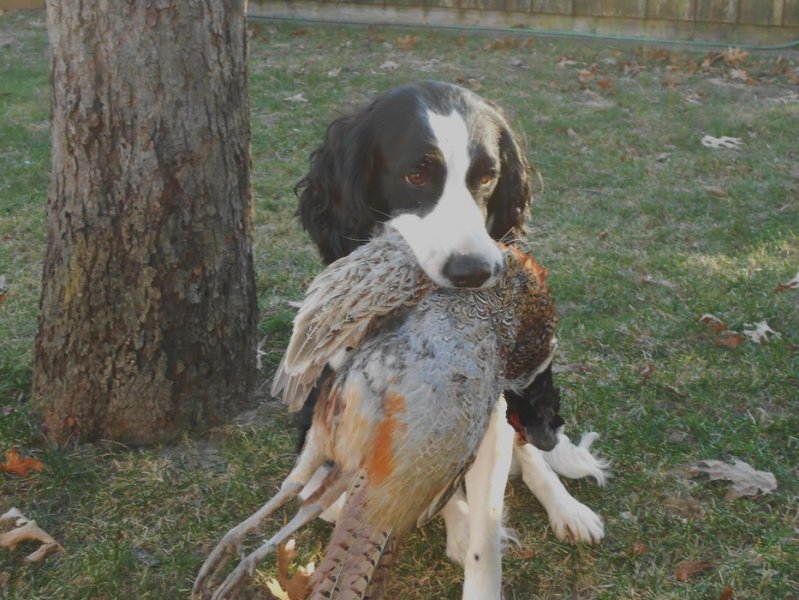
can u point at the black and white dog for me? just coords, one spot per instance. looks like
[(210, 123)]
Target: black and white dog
[(441, 165)]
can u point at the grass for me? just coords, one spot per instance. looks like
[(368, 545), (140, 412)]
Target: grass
[(643, 230)]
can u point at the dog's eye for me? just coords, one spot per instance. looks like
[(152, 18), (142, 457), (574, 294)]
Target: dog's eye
[(416, 178), (488, 177), (420, 175)]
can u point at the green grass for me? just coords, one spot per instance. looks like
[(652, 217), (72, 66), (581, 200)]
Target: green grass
[(637, 247)]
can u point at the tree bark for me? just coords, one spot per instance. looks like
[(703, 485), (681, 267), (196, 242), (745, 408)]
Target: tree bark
[(148, 309)]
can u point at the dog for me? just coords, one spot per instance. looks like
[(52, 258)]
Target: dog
[(441, 165)]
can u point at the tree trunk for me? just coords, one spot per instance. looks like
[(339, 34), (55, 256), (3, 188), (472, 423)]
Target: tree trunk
[(148, 309)]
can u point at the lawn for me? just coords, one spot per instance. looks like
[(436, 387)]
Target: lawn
[(644, 230)]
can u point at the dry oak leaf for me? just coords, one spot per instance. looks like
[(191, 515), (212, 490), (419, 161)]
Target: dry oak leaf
[(724, 141), (24, 530), (746, 481), (793, 284), (294, 587), (735, 56), (16, 465), (406, 42), (726, 593), (759, 332), (729, 339), (725, 337), (687, 569)]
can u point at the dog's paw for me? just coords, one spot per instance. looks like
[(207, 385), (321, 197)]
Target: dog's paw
[(573, 522)]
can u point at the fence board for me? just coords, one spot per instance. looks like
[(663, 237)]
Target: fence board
[(717, 11), (673, 10), (518, 5), (760, 12), (483, 4), (790, 13), (611, 8), (557, 7)]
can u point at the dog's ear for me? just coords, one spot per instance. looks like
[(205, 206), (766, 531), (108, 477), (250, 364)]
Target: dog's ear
[(509, 205), (333, 195)]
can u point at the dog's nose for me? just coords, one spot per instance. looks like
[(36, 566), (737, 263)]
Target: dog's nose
[(467, 270)]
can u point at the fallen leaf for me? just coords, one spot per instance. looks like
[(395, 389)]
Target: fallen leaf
[(693, 98), (759, 332), (389, 65), (746, 481), (724, 141), (646, 373), (741, 75), (24, 530), (16, 465), (406, 42), (334, 72), (566, 61), (729, 339), (726, 593), (716, 191), (663, 157), (605, 84), (297, 98), (3, 288), (639, 548), (725, 337), (687, 569), (290, 587), (713, 322), (650, 280), (683, 506), (524, 553), (710, 59), (587, 75), (274, 588), (735, 56), (793, 284)]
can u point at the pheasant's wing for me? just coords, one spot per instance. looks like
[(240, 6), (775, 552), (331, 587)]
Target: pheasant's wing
[(339, 307), (440, 501)]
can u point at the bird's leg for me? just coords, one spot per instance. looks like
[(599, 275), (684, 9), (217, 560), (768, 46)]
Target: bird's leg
[(334, 484), (485, 492), (307, 464)]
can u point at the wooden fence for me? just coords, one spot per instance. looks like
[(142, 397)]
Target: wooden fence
[(723, 21)]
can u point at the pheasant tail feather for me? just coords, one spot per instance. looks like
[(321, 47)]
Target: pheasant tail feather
[(357, 560)]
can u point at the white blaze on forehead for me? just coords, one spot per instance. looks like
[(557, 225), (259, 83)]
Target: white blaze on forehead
[(456, 225), (452, 139)]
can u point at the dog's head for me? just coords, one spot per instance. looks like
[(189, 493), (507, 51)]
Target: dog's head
[(432, 160), (535, 413)]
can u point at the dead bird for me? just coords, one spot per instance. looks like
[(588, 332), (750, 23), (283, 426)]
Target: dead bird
[(414, 373)]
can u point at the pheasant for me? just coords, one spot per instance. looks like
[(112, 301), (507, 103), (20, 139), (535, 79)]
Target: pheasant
[(407, 378)]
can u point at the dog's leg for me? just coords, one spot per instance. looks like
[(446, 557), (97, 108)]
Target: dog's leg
[(485, 490), (571, 520), (456, 520), (309, 460)]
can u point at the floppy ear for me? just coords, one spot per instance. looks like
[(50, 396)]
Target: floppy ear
[(333, 195), (509, 205)]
